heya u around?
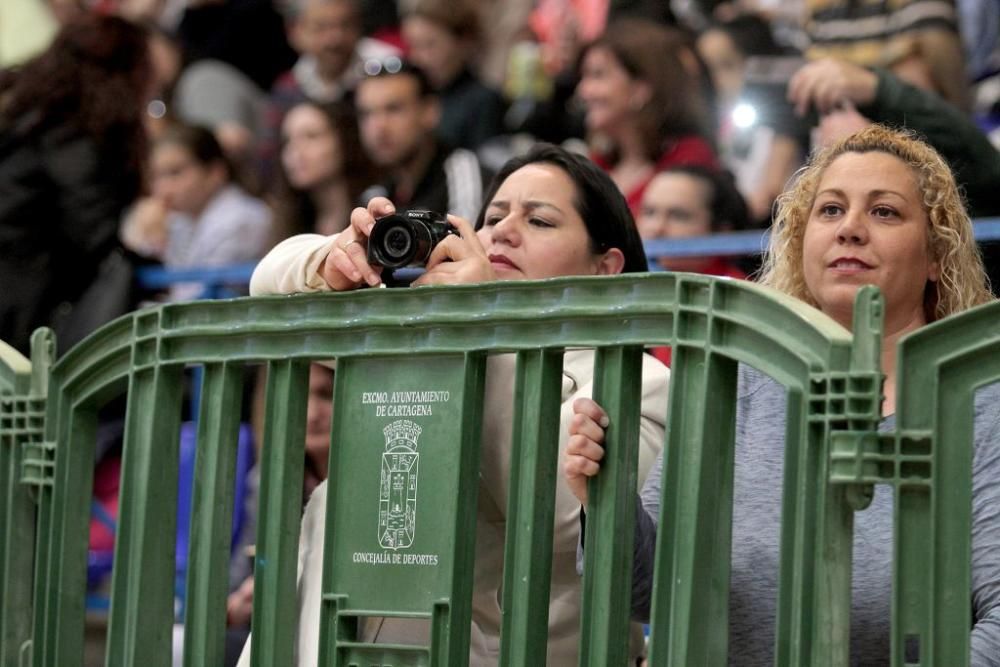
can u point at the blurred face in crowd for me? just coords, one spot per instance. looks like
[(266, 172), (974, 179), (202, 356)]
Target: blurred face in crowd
[(311, 152), (725, 63), (434, 49), (609, 94), (868, 226), (319, 413), (533, 230), (183, 183), (394, 120), (329, 31), (676, 205)]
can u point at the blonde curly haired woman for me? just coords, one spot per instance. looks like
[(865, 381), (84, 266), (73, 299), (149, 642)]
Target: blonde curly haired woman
[(882, 208)]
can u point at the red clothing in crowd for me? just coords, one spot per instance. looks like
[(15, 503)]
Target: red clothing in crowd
[(690, 149), (716, 266)]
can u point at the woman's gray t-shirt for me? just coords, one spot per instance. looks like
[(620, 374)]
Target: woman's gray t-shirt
[(760, 436)]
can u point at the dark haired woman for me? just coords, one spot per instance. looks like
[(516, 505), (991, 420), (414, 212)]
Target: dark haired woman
[(549, 213), (642, 87), (71, 151), (324, 170)]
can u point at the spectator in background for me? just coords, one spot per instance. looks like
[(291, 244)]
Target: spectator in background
[(319, 422), (917, 40), (324, 169), (762, 152), (327, 36), (332, 53), (848, 98), (72, 147), (197, 216), (215, 94), (645, 111), (686, 201), (247, 34), (443, 36), (397, 114)]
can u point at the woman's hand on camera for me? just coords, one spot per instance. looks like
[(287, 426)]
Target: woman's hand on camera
[(458, 259), (585, 447), (346, 266)]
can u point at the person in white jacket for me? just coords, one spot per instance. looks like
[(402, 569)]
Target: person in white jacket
[(550, 213)]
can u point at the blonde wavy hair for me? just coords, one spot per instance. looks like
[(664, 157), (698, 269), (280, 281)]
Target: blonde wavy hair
[(962, 282)]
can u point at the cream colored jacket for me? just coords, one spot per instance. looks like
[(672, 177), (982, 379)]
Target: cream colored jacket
[(292, 267)]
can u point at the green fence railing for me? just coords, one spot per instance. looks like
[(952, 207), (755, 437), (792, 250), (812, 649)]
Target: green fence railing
[(426, 349), (24, 465)]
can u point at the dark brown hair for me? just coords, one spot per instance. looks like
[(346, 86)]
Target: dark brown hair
[(93, 76), (655, 54), (458, 17), (296, 211)]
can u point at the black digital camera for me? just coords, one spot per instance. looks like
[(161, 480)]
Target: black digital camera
[(407, 238)]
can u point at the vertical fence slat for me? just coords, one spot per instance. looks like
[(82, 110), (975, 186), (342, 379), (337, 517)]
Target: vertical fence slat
[(17, 511), (63, 525), (607, 577), (950, 525), (531, 508), (212, 515), (690, 606), (453, 628), (23, 388), (934, 526), (140, 628), (282, 459), (812, 624)]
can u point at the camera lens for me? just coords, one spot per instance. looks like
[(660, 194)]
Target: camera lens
[(397, 243)]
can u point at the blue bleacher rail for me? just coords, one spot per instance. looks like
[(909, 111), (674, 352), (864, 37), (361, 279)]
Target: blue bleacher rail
[(217, 280)]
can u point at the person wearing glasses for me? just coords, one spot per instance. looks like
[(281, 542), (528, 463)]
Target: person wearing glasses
[(398, 115)]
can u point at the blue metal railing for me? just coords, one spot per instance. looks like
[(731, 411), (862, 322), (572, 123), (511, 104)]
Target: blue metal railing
[(219, 281)]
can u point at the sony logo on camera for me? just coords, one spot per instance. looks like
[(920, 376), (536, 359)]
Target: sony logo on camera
[(407, 238)]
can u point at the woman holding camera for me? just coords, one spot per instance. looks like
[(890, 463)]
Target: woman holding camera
[(549, 213)]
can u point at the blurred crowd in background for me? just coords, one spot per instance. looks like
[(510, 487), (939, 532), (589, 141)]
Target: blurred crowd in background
[(199, 133)]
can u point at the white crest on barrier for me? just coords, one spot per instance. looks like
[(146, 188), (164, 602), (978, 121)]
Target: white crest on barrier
[(397, 516)]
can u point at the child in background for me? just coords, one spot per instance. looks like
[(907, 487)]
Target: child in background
[(198, 215)]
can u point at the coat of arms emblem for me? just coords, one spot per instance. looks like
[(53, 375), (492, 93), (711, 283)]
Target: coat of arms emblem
[(397, 516)]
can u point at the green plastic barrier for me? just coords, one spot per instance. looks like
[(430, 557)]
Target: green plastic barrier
[(927, 459), (829, 383), (22, 457), (404, 469)]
